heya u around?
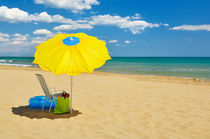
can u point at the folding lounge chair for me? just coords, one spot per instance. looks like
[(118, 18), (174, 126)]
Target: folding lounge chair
[(49, 97)]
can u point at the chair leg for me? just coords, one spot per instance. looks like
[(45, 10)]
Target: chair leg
[(43, 104), (50, 106)]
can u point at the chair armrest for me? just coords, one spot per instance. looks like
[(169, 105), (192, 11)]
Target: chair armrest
[(55, 91)]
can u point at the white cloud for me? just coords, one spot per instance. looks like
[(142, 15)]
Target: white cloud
[(73, 5), (15, 40), (192, 27), (13, 15), (136, 16), (73, 26), (118, 45), (17, 50), (19, 44), (24, 39), (132, 23), (93, 12), (4, 37), (42, 32), (19, 37), (127, 41), (82, 21), (113, 41), (135, 26), (166, 25), (38, 40), (126, 23)]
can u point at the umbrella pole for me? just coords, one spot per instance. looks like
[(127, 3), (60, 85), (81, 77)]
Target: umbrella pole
[(71, 92)]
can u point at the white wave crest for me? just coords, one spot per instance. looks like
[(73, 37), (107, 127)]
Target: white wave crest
[(17, 65), (4, 60)]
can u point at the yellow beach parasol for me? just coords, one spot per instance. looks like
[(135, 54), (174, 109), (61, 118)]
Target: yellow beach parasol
[(71, 54)]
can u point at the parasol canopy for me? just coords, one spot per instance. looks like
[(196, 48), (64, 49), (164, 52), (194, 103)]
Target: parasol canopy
[(71, 54)]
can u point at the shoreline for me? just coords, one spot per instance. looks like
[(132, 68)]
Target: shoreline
[(159, 78)]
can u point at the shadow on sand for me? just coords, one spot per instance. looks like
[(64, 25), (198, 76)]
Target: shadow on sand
[(38, 114)]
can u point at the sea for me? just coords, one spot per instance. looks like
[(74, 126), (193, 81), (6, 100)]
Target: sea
[(188, 67)]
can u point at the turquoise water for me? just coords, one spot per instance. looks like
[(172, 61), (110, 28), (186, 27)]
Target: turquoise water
[(194, 67), (17, 61)]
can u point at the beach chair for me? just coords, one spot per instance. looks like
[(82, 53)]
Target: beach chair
[(50, 97)]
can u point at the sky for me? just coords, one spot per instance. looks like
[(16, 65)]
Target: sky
[(130, 28)]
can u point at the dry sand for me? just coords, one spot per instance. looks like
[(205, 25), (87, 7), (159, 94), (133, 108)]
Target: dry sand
[(106, 106)]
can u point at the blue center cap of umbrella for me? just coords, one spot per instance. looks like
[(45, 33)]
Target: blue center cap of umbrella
[(71, 41)]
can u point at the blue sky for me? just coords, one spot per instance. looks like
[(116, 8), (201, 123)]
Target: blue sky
[(130, 28)]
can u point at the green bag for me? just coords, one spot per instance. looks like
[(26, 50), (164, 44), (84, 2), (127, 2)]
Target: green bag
[(62, 105)]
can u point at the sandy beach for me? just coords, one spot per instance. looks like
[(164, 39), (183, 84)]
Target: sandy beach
[(106, 106)]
